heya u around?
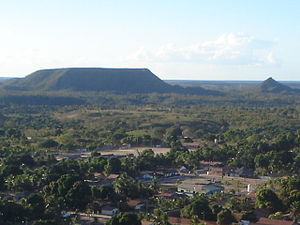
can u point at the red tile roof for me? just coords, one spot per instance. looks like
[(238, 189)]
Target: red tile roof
[(266, 221), (164, 194), (184, 221), (113, 176), (145, 222), (134, 202)]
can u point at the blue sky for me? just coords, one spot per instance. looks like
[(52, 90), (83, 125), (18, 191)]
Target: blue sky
[(192, 39)]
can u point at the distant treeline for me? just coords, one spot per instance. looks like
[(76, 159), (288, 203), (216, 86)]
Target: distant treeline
[(112, 99), (40, 100)]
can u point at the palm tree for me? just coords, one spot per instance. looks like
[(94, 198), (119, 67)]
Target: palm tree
[(160, 217), (295, 210)]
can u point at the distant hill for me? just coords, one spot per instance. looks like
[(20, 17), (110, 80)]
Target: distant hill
[(272, 86), (98, 79), (4, 78)]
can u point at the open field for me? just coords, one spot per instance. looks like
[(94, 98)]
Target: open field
[(234, 183), (134, 151), (237, 184)]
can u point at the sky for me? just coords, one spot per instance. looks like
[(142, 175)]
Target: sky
[(175, 39)]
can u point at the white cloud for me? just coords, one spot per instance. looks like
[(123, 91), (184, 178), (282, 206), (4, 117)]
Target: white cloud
[(270, 58), (231, 48)]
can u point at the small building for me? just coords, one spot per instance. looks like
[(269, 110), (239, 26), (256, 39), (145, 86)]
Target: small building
[(218, 171), (99, 176), (145, 222), (202, 188), (212, 188), (170, 195), (171, 173), (166, 173), (147, 176), (68, 215), (201, 171), (183, 170), (125, 146), (240, 172), (20, 195), (136, 204), (212, 167), (109, 180), (190, 146), (109, 210), (244, 222), (113, 176)]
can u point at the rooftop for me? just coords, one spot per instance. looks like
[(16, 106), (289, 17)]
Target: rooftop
[(266, 221)]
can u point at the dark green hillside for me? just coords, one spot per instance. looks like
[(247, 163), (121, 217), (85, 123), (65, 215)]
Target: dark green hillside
[(40, 100), (4, 78), (97, 79), (272, 86)]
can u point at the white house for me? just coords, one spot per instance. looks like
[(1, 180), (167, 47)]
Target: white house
[(109, 210)]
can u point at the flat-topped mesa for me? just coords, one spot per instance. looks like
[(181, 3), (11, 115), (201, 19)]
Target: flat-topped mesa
[(97, 79)]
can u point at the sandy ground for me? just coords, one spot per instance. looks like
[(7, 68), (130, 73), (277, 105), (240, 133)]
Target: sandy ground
[(239, 184), (134, 151)]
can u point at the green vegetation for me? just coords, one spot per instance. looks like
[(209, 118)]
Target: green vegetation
[(272, 86), (51, 161)]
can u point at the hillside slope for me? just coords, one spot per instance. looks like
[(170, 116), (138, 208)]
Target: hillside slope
[(272, 86)]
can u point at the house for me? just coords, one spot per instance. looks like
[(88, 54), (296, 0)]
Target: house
[(20, 195), (147, 175), (244, 222), (80, 150), (218, 171), (266, 221), (171, 173), (202, 188), (136, 204), (201, 171), (212, 188), (212, 168), (125, 146), (167, 173), (93, 182), (68, 215), (112, 156), (62, 156), (109, 180), (99, 176), (188, 139), (113, 176), (190, 146), (145, 222), (206, 164), (109, 210), (170, 195), (240, 172), (183, 170)]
